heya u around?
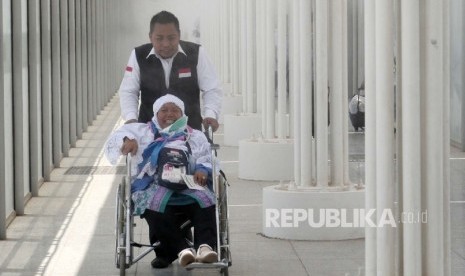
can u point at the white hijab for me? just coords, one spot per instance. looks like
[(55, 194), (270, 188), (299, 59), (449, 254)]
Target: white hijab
[(168, 98)]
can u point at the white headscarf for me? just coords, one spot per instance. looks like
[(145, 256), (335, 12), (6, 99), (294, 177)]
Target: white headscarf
[(169, 98)]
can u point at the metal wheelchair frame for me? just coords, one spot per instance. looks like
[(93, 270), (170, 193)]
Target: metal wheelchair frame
[(124, 222)]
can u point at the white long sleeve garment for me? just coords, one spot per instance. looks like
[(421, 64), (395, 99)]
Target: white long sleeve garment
[(144, 136), (208, 81)]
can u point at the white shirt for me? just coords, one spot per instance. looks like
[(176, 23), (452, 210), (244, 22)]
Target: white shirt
[(208, 81)]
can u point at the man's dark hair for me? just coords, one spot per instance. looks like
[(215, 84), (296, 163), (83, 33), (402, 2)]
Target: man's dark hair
[(164, 17)]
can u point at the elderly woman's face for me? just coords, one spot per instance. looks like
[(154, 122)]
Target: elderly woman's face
[(168, 114)]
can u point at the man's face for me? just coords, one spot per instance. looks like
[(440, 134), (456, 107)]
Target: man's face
[(165, 39)]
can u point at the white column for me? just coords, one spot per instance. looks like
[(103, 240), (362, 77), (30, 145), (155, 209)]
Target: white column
[(344, 96), (352, 26), (336, 95), (234, 48), (306, 92), (294, 75), (93, 45), (432, 46), (224, 21), (109, 29), (92, 61), (215, 32), (72, 72), (97, 15), (384, 133), (370, 135), (79, 71), (97, 56), (361, 39), (411, 178), (261, 60), (64, 77), (321, 94), (105, 49), (250, 56), (85, 64), (6, 118), (399, 132), (463, 81), (46, 80), (242, 15), (20, 105), (269, 113), (282, 68), (35, 97), (89, 69), (56, 84), (446, 138)]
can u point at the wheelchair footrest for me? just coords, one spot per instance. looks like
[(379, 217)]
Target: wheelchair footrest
[(217, 265)]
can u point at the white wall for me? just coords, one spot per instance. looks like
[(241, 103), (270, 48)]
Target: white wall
[(456, 63)]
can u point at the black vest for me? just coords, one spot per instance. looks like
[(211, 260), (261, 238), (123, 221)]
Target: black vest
[(183, 82)]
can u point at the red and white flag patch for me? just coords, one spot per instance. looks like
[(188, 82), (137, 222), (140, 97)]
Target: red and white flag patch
[(184, 72)]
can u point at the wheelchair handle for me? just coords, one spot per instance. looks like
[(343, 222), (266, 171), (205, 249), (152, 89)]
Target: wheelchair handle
[(129, 165), (209, 134)]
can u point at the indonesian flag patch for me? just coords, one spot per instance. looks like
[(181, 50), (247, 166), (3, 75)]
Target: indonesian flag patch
[(185, 72)]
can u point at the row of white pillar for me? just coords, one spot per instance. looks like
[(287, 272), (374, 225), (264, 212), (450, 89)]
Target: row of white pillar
[(262, 54), (417, 160), (422, 130), (57, 71)]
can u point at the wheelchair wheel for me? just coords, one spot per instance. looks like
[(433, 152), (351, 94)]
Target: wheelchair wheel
[(224, 223), (122, 262), (121, 228), (225, 271)]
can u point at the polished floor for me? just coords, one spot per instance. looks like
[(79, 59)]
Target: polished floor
[(69, 228)]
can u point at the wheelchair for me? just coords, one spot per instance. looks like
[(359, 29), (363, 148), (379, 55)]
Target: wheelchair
[(124, 222)]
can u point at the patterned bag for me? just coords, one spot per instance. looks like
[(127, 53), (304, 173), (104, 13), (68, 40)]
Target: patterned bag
[(172, 164)]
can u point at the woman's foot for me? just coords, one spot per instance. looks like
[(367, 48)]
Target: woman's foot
[(186, 256), (205, 254)]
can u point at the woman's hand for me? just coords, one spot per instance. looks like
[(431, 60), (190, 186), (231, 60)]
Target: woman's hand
[(129, 146), (200, 178)]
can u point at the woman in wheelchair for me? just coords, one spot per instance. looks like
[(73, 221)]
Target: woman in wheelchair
[(172, 163)]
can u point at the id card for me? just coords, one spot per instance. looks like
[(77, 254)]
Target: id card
[(173, 174)]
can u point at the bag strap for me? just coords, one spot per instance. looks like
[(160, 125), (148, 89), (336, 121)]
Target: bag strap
[(189, 150)]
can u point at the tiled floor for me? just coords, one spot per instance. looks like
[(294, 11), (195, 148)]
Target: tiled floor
[(69, 228)]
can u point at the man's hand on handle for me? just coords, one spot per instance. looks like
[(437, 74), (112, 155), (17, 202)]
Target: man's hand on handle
[(210, 122)]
